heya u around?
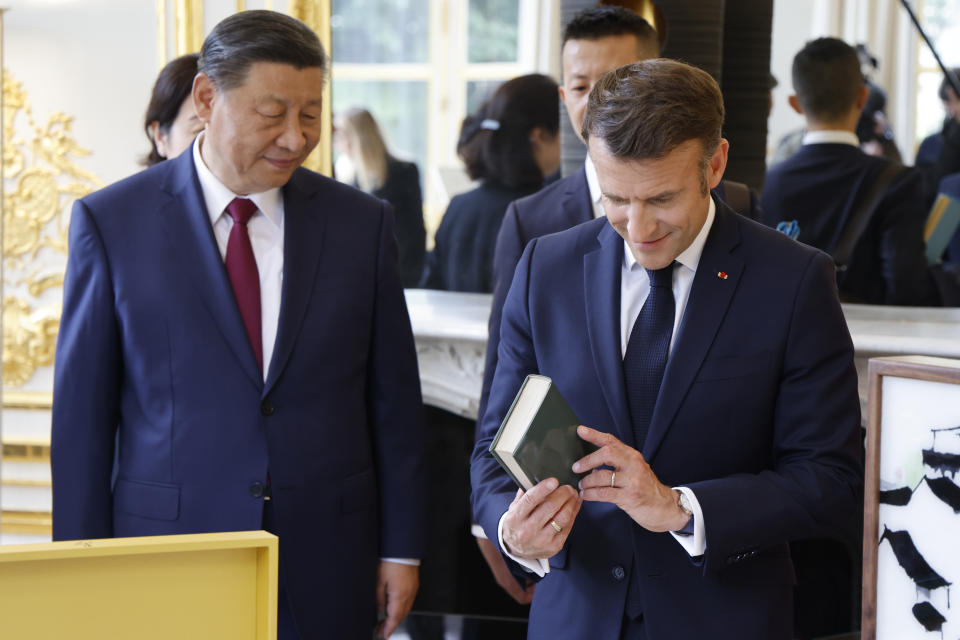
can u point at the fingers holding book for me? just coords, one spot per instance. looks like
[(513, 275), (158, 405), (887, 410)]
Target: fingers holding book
[(619, 474), (539, 520)]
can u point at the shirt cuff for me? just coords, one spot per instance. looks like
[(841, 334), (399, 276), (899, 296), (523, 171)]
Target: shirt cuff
[(478, 531), (696, 544), (538, 566), (413, 562)]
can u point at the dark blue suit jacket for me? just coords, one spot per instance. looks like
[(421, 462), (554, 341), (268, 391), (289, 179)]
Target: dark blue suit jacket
[(153, 356), (561, 205), (758, 414), (817, 187)]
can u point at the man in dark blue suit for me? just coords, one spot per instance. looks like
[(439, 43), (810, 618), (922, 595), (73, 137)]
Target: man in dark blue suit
[(708, 357), (235, 351), (822, 184), (596, 40)]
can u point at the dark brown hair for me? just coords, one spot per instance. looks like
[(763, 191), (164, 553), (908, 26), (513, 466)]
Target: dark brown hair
[(647, 109), (495, 141), (827, 78), (172, 87)]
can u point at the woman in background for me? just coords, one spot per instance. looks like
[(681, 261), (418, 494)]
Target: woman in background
[(171, 123), (511, 145), (379, 173)]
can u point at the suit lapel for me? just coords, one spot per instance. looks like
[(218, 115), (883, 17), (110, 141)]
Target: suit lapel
[(707, 305), (601, 287), (302, 240), (577, 206), (187, 224)]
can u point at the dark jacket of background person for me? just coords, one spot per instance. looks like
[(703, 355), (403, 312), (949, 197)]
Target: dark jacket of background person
[(463, 257), (817, 187), (402, 190)]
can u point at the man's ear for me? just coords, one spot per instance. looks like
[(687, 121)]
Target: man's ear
[(795, 103), (862, 94), (717, 164), (204, 94)]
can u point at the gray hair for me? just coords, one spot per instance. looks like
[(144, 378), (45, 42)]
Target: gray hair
[(237, 42)]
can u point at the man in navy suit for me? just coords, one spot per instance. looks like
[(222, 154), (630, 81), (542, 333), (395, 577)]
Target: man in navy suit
[(235, 351), (708, 357), (596, 40), (821, 185)]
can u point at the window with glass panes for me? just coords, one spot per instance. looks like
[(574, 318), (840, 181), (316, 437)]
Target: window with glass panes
[(419, 66)]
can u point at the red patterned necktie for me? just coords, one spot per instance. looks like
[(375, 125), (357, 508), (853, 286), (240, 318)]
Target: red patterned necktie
[(242, 269)]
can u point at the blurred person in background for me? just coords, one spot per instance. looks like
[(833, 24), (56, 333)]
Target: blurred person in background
[(929, 152), (378, 172), (171, 122), (510, 145)]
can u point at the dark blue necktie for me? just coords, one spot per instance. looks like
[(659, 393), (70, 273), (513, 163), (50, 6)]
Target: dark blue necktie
[(643, 367), (647, 350)]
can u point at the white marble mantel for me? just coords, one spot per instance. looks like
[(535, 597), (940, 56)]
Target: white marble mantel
[(451, 335)]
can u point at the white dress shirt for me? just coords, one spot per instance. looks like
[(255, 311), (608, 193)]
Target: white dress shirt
[(593, 184), (634, 289), (831, 136), (266, 237)]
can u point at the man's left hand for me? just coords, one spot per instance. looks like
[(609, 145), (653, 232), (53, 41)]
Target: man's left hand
[(396, 588), (630, 484)]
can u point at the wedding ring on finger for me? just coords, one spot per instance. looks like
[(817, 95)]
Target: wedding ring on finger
[(613, 479), (556, 527)]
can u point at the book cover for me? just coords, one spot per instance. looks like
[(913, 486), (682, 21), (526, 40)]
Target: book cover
[(538, 437), (942, 224)]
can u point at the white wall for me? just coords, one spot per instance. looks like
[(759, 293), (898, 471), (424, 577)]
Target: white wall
[(792, 26)]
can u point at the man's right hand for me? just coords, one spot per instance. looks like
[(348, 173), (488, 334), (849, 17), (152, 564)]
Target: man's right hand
[(528, 530)]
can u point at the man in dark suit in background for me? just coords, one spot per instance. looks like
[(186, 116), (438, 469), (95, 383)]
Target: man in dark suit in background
[(235, 349), (823, 183), (709, 356)]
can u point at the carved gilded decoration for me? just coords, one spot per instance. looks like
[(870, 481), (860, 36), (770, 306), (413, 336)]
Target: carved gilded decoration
[(41, 180)]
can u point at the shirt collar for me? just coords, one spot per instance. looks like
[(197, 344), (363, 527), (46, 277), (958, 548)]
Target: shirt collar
[(831, 136), (593, 184), (689, 257), (217, 196)]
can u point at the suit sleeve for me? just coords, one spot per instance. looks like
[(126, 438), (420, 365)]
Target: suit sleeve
[(493, 490), (396, 410), (86, 389), (507, 253), (815, 486)]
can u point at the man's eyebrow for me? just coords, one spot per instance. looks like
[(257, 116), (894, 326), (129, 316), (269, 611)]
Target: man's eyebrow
[(664, 195)]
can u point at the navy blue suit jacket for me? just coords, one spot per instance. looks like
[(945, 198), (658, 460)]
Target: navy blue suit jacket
[(817, 187), (758, 414), (153, 356), (558, 206)]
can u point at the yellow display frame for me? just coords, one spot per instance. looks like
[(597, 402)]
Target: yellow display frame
[(216, 585)]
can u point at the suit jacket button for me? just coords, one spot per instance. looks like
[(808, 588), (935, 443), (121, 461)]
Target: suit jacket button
[(618, 572), (267, 408), (256, 490)]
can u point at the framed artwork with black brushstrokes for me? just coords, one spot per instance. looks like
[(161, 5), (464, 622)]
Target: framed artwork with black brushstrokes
[(911, 549)]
